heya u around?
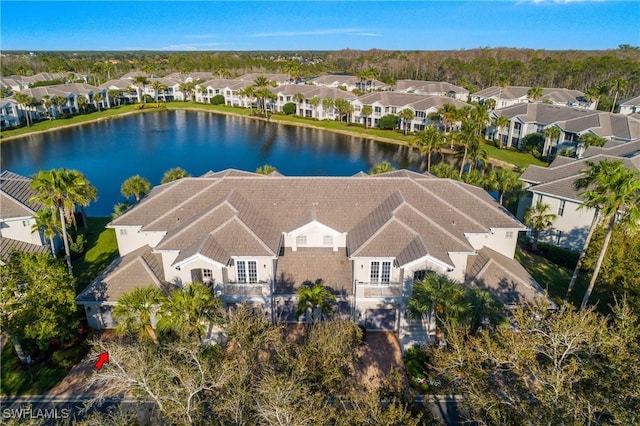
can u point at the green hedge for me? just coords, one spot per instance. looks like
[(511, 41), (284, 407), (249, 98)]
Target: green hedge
[(558, 255)]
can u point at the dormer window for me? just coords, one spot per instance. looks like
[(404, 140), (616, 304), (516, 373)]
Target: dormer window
[(301, 240), (327, 240)]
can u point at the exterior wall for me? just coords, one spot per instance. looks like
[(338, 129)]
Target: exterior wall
[(264, 268), (20, 229), (184, 274), (362, 269), (570, 229), (314, 234), (501, 240), (130, 238)]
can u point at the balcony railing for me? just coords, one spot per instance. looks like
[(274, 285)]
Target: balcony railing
[(376, 290), (245, 289)]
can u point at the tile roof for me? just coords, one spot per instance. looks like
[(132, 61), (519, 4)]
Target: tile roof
[(228, 213), (504, 277), (16, 192), (8, 245), (139, 268), (307, 265)]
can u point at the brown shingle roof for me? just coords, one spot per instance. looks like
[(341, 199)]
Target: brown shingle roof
[(8, 245), (16, 194)]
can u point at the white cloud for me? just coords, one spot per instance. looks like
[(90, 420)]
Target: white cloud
[(330, 31)]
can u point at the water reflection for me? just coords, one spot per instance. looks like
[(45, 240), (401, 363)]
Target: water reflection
[(148, 144)]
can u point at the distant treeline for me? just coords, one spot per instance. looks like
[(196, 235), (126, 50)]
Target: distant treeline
[(473, 69)]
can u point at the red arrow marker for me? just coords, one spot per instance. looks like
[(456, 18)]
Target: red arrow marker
[(102, 358)]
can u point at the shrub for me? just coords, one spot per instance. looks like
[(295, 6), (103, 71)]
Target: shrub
[(68, 357), (533, 143), (559, 255), (78, 245), (217, 100), (388, 122), (289, 108)]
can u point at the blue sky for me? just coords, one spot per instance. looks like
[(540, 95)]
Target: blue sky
[(293, 25)]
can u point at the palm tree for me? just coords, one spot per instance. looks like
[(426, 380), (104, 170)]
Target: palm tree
[(552, 134), (503, 181), (119, 209), (614, 192), (97, 98), (406, 115), (535, 93), (25, 101), (187, 309), (342, 106), (445, 171), (428, 141), (157, 88), (83, 103), (266, 170), (327, 104), (135, 311), (47, 222), (593, 95), (249, 93), (136, 186), (114, 94), (539, 219), (467, 137), (61, 189), (261, 84), (501, 122), (480, 115), (316, 300), (298, 98), (174, 174), (315, 102), (382, 167), (366, 112), (47, 102), (477, 155), (59, 102), (143, 81), (447, 114), (85, 193), (619, 85)]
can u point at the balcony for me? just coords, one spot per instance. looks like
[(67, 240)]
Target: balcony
[(243, 289), (366, 290)]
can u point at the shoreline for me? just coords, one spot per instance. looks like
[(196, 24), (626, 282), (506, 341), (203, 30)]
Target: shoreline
[(374, 138)]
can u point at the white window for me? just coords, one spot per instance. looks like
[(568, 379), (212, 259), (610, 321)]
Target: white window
[(207, 274), (561, 208), (380, 272), (123, 232), (508, 235), (301, 240), (327, 240), (242, 266)]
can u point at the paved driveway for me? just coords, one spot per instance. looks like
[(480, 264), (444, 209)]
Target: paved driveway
[(378, 356)]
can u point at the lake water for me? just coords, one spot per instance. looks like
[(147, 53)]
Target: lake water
[(108, 152)]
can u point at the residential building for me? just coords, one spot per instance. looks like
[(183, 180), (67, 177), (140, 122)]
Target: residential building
[(349, 82), (437, 88), (511, 95), (258, 239), (630, 106), (9, 114), (554, 185), (527, 118), (16, 217)]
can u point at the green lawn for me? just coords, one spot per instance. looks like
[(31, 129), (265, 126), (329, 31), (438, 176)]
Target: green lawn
[(520, 159), (17, 379), (102, 248)]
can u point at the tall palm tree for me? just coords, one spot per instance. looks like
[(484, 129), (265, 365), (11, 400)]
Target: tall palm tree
[(501, 122), (315, 102), (136, 309), (142, 80), (382, 167), (48, 223), (97, 98), (551, 134), (618, 85), (448, 115), (174, 174), (62, 189), (535, 93), (327, 104), (135, 186), (261, 85), (593, 95), (114, 94), (366, 112), (250, 93), (503, 181), (539, 219), (467, 137), (83, 103), (614, 191), (85, 193), (59, 102), (187, 310), (428, 141), (25, 101), (316, 300), (406, 115), (298, 98), (157, 88), (480, 115), (47, 103), (266, 169)]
